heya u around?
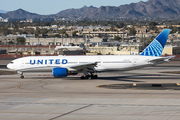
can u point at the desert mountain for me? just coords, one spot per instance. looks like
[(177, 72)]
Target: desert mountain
[(152, 9)]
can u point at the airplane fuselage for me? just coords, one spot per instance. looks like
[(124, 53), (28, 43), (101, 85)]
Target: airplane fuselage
[(104, 62)]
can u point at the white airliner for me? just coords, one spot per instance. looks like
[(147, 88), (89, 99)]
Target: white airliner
[(62, 66)]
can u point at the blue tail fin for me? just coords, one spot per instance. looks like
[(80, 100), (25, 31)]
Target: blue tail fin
[(156, 47)]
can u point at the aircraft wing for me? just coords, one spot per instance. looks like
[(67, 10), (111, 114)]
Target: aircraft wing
[(84, 66)]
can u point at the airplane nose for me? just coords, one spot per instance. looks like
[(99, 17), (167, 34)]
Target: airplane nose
[(10, 66)]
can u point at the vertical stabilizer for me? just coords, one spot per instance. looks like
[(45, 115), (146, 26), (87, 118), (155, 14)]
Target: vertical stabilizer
[(156, 47)]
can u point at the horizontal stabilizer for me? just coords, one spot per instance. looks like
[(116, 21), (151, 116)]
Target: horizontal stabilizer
[(161, 59)]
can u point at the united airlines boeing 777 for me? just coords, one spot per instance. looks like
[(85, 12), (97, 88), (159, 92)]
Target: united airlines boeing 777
[(62, 66)]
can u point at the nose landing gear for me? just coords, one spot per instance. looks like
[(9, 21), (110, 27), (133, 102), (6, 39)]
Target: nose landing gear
[(22, 77), (21, 74)]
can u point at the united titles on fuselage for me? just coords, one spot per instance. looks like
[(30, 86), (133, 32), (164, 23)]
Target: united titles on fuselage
[(49, 61)]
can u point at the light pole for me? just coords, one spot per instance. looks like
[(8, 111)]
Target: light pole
[(29, 43), (62, 40)]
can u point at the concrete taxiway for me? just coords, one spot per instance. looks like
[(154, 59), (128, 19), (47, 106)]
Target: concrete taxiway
[(40, 96)]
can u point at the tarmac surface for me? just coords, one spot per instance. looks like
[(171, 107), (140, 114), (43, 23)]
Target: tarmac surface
[(40, 96)]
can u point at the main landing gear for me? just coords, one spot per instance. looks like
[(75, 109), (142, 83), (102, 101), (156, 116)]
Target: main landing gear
[(89, 77)]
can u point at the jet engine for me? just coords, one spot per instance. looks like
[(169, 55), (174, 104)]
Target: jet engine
[(60, 72)]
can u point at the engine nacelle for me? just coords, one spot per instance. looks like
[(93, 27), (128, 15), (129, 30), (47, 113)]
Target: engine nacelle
[(60, 72)]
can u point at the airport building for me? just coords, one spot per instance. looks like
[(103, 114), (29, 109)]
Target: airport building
[(12, 39), (171, 50), (3, 20), (31, 40), (102, 33), (59, 41), (117, 48)]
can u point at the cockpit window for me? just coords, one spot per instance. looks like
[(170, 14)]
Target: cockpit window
[(11, 62)]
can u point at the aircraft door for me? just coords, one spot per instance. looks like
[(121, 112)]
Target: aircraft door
[(99, 61)]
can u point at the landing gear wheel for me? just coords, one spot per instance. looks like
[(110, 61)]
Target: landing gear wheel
[(95, 76), (89, 77), (82, 77), (22, 77)]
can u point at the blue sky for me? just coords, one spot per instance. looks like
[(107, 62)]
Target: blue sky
[(46, 7)]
